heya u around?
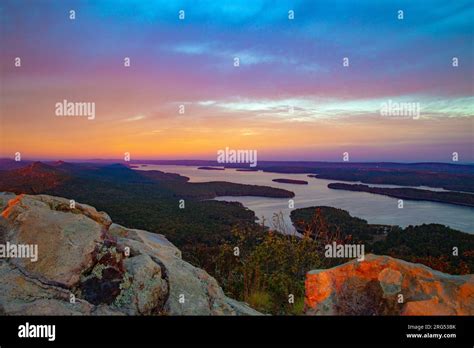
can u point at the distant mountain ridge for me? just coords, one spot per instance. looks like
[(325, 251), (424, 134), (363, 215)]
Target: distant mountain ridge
[(450, 176), (273, 165), (38, 177), (34, 178)]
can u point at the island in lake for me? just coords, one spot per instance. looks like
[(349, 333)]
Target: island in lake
[(291, 181), (211, 168), (247, 170), (457, 198)]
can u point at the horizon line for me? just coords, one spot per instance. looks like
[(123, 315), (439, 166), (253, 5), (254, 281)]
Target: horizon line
[(116, 160)]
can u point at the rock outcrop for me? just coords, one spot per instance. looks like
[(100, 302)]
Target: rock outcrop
[(88, 265), (382, 285)]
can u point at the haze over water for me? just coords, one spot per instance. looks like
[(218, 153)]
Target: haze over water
[(376, 209)]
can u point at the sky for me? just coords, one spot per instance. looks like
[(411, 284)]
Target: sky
[(291, 97)]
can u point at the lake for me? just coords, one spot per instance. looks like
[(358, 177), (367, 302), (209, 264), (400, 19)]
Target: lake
[(376, 209)]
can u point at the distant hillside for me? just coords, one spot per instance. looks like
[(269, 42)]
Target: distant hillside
[(457, 198), (313, 166), (462, 181), (450, 176), (9, 164), (335, 220), (35, 178)]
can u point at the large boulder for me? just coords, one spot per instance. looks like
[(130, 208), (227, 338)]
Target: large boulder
[(58, 232), (382, 285), (87, 265)]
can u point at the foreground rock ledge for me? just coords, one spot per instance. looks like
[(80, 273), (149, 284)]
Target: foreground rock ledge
[(376, 285), (87, 265)]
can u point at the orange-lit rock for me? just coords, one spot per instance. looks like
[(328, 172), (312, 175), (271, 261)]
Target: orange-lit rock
[(382, 285)]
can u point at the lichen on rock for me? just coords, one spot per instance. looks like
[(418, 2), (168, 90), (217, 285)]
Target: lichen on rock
[(82, 254)]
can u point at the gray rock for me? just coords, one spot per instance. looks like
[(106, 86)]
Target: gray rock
[(105, 268)]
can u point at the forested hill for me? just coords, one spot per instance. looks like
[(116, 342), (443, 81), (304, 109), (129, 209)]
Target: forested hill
[(450, 197), (430, 244)]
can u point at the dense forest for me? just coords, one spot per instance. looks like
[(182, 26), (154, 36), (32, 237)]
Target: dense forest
[(340, 221), (433, 245)]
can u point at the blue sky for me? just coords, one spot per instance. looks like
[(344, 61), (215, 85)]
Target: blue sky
[(298, 62)]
